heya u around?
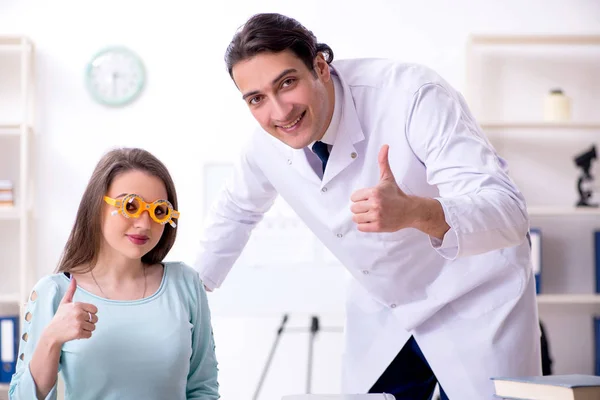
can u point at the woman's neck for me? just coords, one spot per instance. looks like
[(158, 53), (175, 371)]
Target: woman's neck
[(118, 269), (118, 279)]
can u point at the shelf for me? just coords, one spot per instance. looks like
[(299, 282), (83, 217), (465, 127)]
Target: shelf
[(10, 40), (9, 298), (12, 129), (9, 213), (14, 43), (535, 40), (540, 125), (562, 211), (568, 299)]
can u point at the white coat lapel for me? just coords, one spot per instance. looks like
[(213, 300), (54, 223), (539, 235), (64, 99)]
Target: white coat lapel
[(300, 163), (295, 159), (343, 152)]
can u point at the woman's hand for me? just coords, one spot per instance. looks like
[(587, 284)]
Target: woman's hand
[(72, 320)]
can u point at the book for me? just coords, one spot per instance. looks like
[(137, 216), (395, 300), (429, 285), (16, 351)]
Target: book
[(6, 185), (6, 197), (536, 257), (556, 387), (597, 346), (6, 193), (8, 347), (597, 259)]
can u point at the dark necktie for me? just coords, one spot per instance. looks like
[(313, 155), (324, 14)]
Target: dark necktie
[(321, 150)]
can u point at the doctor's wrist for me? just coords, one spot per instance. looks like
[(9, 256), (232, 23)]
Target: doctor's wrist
[(429, 217)]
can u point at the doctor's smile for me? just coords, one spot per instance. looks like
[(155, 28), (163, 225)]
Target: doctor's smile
[(294, 125)]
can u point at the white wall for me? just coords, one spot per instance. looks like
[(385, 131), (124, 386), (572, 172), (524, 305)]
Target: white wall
[(191, 114)]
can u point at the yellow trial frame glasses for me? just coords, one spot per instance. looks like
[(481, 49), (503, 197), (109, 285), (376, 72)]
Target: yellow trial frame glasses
[(121, 206)]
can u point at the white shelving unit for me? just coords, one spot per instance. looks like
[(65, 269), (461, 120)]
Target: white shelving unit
[(576, 299), (17, 137), (496, 125), (507, 78), (9, 213), (562, 211), (534, 40)]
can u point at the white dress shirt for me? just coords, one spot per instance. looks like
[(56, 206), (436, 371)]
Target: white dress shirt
[(331, 132)]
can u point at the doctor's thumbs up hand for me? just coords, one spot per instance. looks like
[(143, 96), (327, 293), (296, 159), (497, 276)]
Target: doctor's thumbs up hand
[(72, 320), (384, 207)]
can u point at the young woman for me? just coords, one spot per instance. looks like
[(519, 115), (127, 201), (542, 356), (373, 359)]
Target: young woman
[(116, 320)]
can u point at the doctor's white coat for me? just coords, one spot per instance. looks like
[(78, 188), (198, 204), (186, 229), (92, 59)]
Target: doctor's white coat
[(469, 300)]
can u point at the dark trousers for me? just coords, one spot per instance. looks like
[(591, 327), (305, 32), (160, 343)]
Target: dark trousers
[(409, 376)]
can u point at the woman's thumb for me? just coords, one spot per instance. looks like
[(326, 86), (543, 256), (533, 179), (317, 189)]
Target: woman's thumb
[(68, 297)]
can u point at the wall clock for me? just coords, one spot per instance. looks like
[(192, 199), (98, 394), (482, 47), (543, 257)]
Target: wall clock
[(115, 76)]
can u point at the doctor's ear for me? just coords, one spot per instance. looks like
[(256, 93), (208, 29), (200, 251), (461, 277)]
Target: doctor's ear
[(321, 67)]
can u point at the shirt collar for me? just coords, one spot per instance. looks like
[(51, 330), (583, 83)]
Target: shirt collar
[(331, 132)]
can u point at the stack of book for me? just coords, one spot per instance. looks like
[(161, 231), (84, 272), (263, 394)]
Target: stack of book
[(555, 387), (6, 193)]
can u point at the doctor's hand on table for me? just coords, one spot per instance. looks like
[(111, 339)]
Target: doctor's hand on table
[(386, 208)]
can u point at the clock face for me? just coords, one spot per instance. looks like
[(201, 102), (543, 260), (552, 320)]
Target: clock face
[(115, 76)]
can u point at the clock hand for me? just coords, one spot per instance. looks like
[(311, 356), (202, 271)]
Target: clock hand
[(115, 75)]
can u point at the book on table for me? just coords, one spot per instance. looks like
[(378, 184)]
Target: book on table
[(556, 387)]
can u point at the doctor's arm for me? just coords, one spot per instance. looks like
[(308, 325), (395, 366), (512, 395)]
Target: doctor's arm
[(240, 206), (478, 202)]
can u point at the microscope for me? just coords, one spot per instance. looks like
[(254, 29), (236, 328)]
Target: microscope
[(585, 181)]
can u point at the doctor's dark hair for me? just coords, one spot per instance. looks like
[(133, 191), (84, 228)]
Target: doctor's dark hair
[(274, 33), (85, 239)]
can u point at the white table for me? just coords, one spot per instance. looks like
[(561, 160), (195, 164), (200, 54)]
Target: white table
[(339, 397)]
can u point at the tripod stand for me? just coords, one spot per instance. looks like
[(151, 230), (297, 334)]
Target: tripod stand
[(313, 330)]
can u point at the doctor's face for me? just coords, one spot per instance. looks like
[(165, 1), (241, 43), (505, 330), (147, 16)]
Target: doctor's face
[(289, 101)]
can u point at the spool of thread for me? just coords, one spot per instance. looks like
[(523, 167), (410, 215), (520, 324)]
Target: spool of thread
[(557, 106)]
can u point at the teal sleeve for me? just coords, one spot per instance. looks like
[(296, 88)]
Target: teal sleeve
[(202, 381), (41, 307)]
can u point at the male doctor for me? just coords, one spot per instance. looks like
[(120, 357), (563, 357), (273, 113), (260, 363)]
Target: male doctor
[(386, 165)]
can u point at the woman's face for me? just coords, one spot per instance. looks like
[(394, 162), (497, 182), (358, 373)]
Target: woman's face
[(132, 238)]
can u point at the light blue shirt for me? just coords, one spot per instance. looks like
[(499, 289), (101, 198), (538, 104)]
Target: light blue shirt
[(159, 347)]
